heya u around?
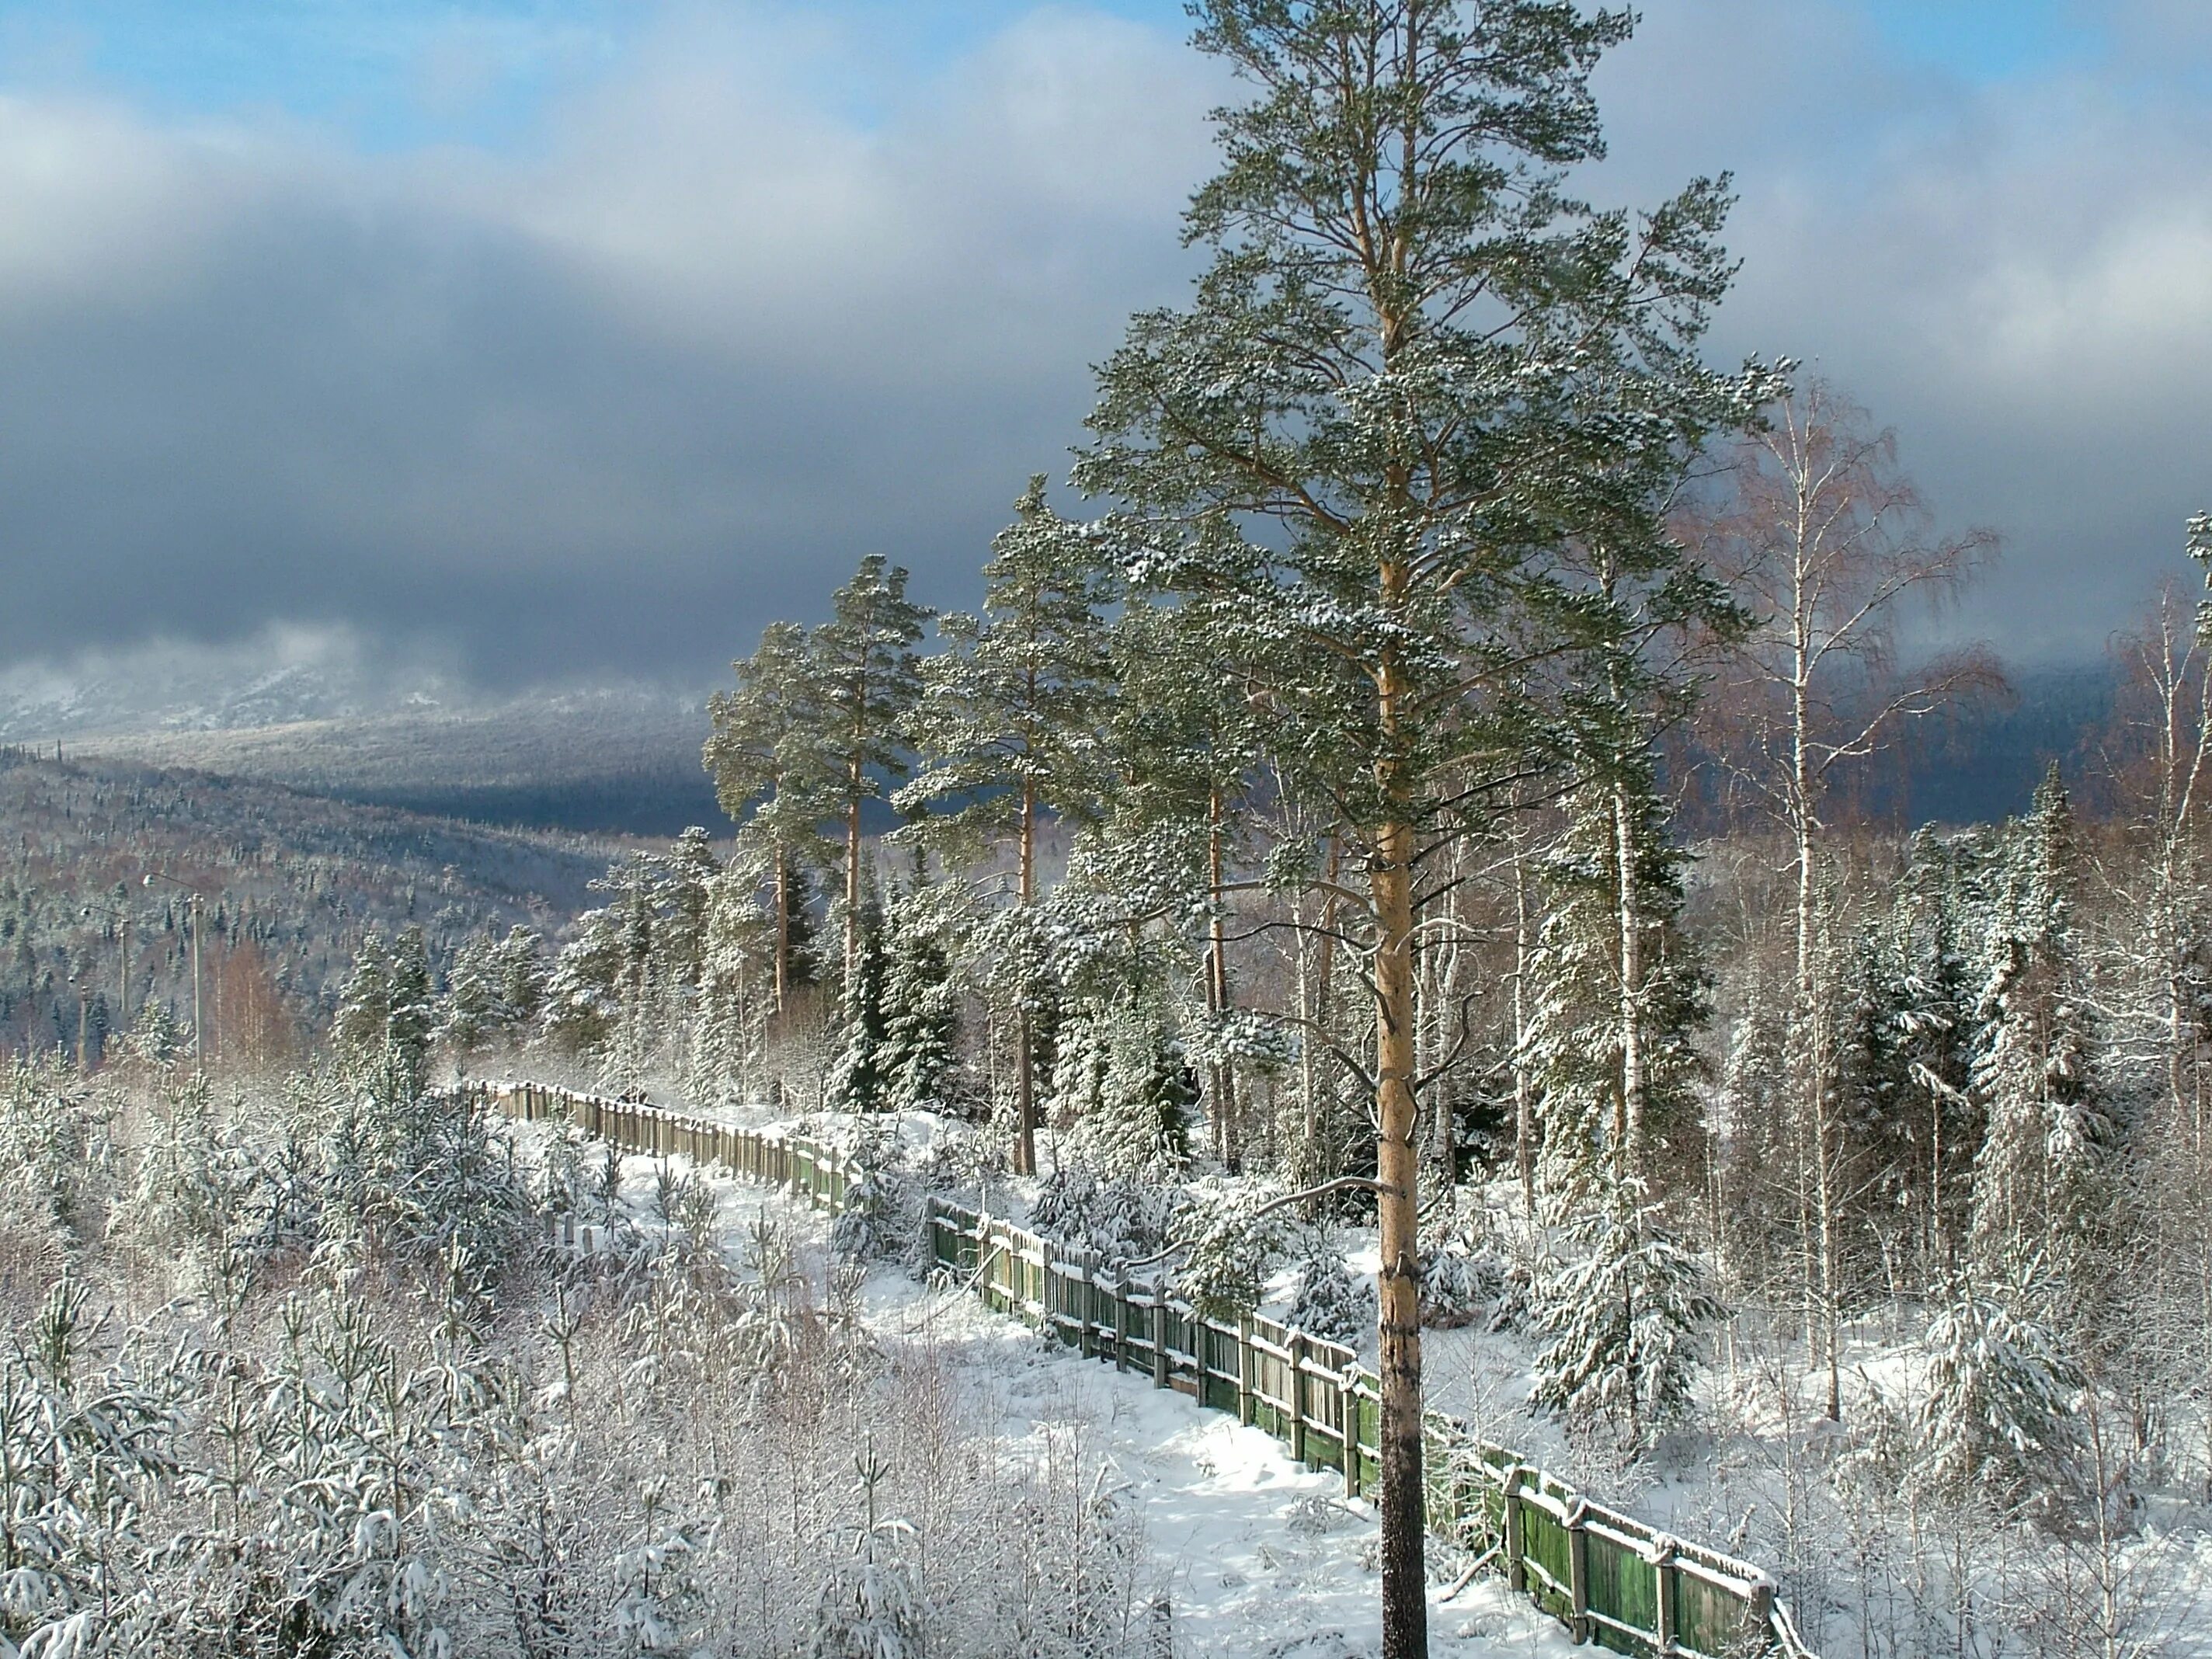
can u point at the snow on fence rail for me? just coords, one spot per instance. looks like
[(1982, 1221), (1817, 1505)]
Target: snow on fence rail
[(1608, 1578)]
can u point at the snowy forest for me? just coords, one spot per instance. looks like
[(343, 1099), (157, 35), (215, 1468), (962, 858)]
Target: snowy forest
[(1411, 842)]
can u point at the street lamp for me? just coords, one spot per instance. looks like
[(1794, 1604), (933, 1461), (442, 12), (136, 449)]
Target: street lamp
[(199, 1053)]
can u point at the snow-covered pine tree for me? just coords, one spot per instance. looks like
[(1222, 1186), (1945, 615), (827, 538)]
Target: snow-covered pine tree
[(82, 1451), (1011, 726), (682, 897), (2040, 1179), (1625, 1322), (737, 988), (583, 993), (862, 1076), (1082, 1063), (1998, 1418), (365, 1004), (864, 661), (387, 1014), (773, 778), (1188, 750), (921, 1005), (1613, 1062), (411, 1022), (1369, 347), (518, 963), (1907, 1114), (1332, 1303), (1145, 1092), (1750, 1114), (469, 1010)]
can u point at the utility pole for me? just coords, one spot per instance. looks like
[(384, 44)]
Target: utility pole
[(199, 1031)]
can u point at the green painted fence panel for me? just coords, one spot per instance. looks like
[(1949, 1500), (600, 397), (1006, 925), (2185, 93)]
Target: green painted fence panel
[(1708, 1618), (1623, 1586), (1545, 1544)]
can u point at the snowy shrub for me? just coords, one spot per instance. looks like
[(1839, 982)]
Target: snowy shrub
[(415, 1175), (882, 1219), (1457, 1284), (626, 1452), (82, 1451), (155, 1037), (1332, 1303), (56, 1149), (196, 1181), (1224, 1273), (1515, 1308), (1624, 1325), (1122, 1218), (1999, 1416)]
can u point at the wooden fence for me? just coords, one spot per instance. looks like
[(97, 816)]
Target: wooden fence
[(1608, 1578)]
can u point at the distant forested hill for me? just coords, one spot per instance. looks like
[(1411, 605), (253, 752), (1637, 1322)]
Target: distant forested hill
[(1983, 763), (291, 882), (613, 762)]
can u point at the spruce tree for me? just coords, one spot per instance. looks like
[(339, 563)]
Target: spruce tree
[(411, 1021), (921, 1006), (1124, 1086), (861, 1078), (1906, 1057), (1187, 751), (1610, 1039), (1624, 1324), (471, 1009), (365, 1004), (2038, 1181), (1423, 364), (683, 880), (1998, 1417)]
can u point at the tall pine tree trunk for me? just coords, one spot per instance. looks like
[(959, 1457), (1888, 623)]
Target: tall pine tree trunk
[(1405, 1590), (1224, 1076), (1524, 1089), (1024, 1036), (782, 932), (1632, 990), (852, 874)]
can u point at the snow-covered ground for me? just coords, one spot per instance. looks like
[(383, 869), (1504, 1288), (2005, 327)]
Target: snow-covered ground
[(1255, 1557)]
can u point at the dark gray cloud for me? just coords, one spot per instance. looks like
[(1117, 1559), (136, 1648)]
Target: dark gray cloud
[(611, 406)]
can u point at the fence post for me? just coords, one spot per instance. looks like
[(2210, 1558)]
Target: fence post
[(1762, 1615), (1081, 1291), (1347, 1396), (1298, 1395), (1160, 1378), (1244, 1368), (1121, 1325), (1516, 1575), (1665, 1586), (1578, 1570)]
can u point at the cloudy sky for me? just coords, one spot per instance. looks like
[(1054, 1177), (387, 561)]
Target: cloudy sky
[(560, 337)]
